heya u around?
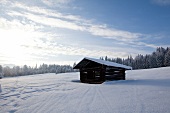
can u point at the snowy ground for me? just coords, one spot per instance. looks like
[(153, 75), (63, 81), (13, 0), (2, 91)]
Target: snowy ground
[(144, 91)]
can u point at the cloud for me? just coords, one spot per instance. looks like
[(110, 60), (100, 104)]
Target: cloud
[(97, 30), (24, 43), (161, 2), (63, 4), (52, 18), (29, 41), (58, 1), (114, 33), (15, 37), (53, 49), (47, 12), (48, 17), (72, 22), (54, 22), (17, 24), (33, 38)]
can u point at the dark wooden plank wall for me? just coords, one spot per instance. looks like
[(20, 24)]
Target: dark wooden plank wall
[(92, 75), (115, 74), (100, 74)]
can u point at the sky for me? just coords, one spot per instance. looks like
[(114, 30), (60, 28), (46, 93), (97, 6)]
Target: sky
[(64, 31)]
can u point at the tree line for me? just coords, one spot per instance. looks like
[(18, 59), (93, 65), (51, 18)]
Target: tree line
[(158, 58), (28, 70)]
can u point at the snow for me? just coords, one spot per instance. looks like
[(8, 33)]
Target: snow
[(144, 91), (108, 63), (103, 62)]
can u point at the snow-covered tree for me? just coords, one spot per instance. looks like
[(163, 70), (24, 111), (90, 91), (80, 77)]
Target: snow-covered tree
[(167, 58), (160, 53), (159, 58), (152, 60), (146, 61), (0, 69), (105, 58)]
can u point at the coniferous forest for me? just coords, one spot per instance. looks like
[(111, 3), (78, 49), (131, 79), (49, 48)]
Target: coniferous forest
[(27, 70), (159, 58)]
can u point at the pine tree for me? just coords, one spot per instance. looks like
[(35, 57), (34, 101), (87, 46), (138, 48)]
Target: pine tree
[(106, 58), (25, 69), (152, 60), (146, 62), (101, 58), (0, 75), (160, 54), (0, 69), (167, 58)]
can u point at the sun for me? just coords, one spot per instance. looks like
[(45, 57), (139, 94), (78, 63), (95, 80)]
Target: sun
[(11, 45)]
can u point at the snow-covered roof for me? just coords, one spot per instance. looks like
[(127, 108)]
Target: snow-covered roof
[(106, 63)]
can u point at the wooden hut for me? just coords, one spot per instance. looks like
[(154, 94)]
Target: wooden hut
[(97, 71)]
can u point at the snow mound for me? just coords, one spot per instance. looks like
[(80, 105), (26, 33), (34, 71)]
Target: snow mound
[(145, 91)]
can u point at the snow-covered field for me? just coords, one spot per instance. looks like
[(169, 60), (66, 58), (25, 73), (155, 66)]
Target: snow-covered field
[(144, 91)]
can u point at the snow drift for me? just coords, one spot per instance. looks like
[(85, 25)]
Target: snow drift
[(144, 91)]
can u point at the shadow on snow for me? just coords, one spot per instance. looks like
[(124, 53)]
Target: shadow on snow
[(147, 82)]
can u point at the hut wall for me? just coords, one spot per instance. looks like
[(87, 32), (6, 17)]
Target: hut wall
[(100, 74), (92, 75), (115, 74)]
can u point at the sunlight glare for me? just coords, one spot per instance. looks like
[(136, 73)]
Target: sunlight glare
[(11, 44)]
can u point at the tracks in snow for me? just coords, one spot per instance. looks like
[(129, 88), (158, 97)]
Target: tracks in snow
[(92, 99)]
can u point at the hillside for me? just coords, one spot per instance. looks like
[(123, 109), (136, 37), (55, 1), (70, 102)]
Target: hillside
[(144, 91)]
